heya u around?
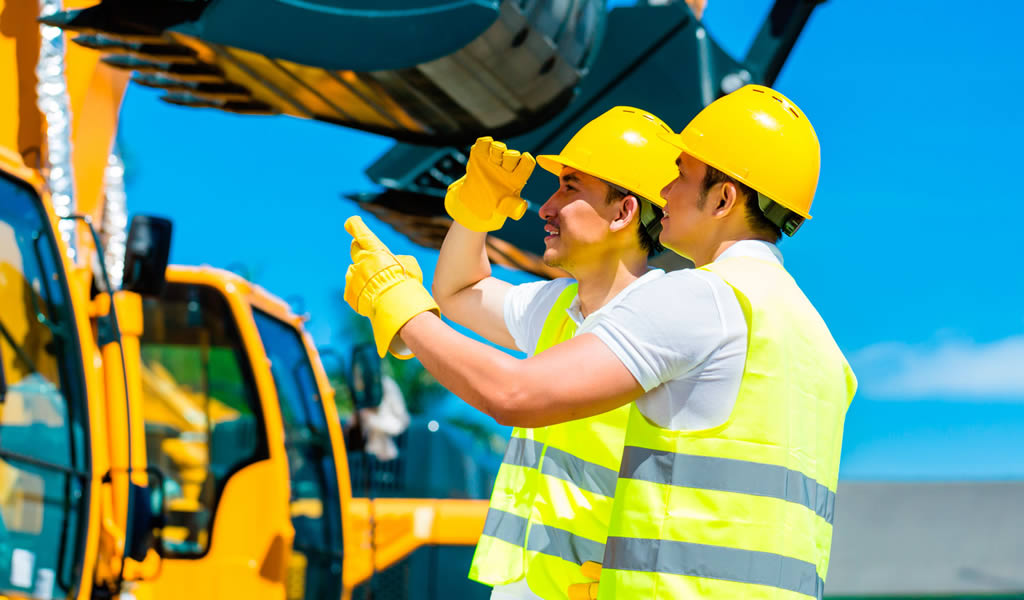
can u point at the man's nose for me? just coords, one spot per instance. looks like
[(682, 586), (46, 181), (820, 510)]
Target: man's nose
[(665, 190), (547, 210)]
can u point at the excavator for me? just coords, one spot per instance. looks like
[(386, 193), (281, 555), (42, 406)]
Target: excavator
[(169, 430), (174, 432)]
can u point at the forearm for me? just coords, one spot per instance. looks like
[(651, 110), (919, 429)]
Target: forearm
[(482, 376), (461, 263), (573, 380)]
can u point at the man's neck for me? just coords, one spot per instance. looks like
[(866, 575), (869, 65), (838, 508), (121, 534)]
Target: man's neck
[(599, 285), (717, 246)]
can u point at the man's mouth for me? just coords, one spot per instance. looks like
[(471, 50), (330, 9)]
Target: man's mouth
[(552, 231)]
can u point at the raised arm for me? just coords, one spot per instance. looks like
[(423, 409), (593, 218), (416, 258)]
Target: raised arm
[(480, 202), (464, 289)]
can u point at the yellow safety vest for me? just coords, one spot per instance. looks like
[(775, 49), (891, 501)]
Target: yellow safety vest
[(553, 494), (744, 509)]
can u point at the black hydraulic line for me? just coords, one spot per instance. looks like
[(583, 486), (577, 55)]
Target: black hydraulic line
[(778, 35)]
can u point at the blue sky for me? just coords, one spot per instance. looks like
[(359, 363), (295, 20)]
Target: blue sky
[(911, 257)]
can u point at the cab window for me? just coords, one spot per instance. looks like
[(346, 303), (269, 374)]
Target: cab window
[(202, 414), (44, 461)]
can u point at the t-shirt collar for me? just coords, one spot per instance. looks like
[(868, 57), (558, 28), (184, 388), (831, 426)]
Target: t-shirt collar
[(753, 249)]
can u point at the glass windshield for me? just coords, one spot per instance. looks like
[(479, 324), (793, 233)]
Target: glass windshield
[(202, 414), (315, 567), (44, 465)]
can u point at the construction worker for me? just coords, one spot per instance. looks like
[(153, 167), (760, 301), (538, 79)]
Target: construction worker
[(737, 391), (553, 493)]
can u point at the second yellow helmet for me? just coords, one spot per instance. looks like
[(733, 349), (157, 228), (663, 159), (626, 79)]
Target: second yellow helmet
[(761, 138)]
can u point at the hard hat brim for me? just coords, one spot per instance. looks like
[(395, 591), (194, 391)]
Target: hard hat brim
[(553, 163)]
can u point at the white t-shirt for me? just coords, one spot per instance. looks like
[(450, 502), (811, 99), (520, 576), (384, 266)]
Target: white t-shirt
[(684, 339), (527, 307)]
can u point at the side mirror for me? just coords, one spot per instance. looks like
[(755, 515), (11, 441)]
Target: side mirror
[(148, 516), (141, 523), (148, 250), (366, 387)]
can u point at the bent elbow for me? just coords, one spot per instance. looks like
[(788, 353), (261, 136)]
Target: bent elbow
[(510, 405), (440, 293)]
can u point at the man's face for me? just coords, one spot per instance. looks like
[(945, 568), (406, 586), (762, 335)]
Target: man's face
[(686, 212), (578, 217)]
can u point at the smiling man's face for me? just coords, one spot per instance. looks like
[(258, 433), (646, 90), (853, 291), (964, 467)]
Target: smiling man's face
[(578, 217)]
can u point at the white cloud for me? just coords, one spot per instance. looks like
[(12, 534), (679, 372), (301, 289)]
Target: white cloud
[(951, 369)]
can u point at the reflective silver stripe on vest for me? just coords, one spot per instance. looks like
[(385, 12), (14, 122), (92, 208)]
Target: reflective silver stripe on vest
[(584, 475), (523, 452), (548, 540), (713, 562), (505, 526), (559, 463), (728, 475), (562, 544)]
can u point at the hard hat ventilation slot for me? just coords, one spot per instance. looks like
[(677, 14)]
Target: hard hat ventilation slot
[(520, 37), (786, 105)]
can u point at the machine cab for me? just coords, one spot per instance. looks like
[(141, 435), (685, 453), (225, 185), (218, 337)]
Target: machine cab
[(235, 424)]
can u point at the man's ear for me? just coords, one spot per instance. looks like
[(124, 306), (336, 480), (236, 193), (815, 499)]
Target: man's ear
[(726, 200), (629, 212)]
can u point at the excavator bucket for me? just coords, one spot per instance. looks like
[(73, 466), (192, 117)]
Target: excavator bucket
[(380, 66)]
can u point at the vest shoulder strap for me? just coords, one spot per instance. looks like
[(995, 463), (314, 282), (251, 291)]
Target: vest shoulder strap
[(558, 327)]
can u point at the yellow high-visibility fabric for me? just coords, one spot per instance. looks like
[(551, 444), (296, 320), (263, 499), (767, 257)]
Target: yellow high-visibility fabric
[(553, 494), (744, 509)]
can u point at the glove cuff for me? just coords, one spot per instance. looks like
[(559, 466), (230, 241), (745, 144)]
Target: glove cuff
[(393, 310)]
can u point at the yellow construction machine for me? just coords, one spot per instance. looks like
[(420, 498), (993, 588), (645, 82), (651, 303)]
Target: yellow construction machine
[(175, 435), (241, 421)]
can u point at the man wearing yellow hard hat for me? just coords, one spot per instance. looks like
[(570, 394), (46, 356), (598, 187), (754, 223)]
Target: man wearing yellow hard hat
[(552, 497), (740, 506)]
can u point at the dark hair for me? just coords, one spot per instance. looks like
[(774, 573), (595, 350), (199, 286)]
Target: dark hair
[(648, 243), (755, 217)]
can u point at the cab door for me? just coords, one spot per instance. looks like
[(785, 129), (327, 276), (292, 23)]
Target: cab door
[(315, 570), (210, 436)]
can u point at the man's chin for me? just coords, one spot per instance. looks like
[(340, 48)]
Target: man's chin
[(552, 258)]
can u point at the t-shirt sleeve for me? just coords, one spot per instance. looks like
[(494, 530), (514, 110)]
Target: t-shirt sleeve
[(665, 329), (527, 307)]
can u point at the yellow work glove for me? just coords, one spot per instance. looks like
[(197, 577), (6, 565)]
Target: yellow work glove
[(586, 591), (489, 191), (385, 288)]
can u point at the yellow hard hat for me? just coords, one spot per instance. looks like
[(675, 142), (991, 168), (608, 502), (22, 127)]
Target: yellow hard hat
[(621, 147), (759, 137)]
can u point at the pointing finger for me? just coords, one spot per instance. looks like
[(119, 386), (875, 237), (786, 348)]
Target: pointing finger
[(362, 235)]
